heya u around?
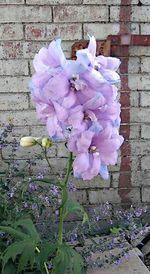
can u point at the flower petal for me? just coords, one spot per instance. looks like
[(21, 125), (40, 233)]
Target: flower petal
[(53, 128), (84, 141), (104, 172), (92, 46), (69, 100), (56, 55), (61, 112), (81, 163)]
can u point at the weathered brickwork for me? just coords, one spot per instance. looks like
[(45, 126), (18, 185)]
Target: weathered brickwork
[(28, 25)]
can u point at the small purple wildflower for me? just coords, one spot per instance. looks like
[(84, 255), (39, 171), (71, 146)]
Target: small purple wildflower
[(57, 212), (11, 194), (33, 186), (25, 205), (97, 218), (145, 209), (40, 175), (34, 206), (73, 237), (71, 187), (111, 222), (49, 265), (55, 191), (138, 213)]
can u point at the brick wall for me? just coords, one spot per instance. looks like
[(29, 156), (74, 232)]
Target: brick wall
[(26, 26)]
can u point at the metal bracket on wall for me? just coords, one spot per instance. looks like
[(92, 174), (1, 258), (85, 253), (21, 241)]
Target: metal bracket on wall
[(103, 48), (115, 45)]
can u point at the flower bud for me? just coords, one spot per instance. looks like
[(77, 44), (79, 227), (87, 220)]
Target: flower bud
[(28, 141), (46, 143)]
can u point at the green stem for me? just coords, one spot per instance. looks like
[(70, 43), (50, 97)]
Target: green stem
[(46, 157), (69, 167), (63, 199)]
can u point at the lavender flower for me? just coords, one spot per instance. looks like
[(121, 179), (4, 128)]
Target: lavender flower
[(71, 187), (25, 204), (55, 190), (34, 206), (33, 186)]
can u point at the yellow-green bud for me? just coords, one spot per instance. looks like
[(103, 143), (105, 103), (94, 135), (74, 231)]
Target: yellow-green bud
[(46, 143), (28, 141)]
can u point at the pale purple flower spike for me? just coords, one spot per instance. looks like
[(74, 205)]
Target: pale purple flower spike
[(80, 95)]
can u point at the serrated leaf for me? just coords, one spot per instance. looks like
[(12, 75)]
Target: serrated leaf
[(68, 259), (47, 250), (77, 262), (13, 232), (24, 248), (62, 260), (75, 207), (29, 228), (27, 256), (12, 251)]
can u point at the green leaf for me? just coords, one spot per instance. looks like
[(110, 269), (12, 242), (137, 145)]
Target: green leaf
[(62, 260), (77, 262), (10, 268), (47, 181), (47, 250), (115, 230), (68, 259), (25, 231), (24, 248), (28, 227), (12, 251), (85, 218), (13, 232), (75, 207), (27, 256)]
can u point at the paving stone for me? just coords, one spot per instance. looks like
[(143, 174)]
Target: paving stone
[(134, 265)]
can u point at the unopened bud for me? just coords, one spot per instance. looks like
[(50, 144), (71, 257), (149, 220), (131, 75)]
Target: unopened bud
[(28, 141), (46, 143)]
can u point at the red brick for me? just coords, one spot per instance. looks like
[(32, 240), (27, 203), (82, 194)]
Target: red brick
[(125, 149), (125, 115), (125, 99), (125, 131)]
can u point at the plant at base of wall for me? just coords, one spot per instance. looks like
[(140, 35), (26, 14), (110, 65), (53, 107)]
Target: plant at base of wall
[(77, 101)]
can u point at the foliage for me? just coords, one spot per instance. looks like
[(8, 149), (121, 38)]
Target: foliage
[(28, 251), (26, 197), (67, 259), (24, 246)]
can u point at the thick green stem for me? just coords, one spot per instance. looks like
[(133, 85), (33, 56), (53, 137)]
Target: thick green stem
[(64, 199)]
